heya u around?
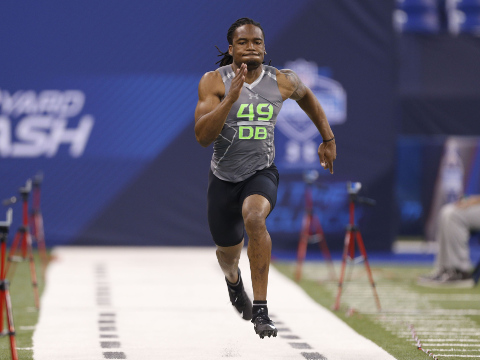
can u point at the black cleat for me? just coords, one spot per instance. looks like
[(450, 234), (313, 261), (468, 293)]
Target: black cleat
[(263, 325), (240, 300)]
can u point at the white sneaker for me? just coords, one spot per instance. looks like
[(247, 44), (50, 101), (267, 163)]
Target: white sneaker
[(452, 278)]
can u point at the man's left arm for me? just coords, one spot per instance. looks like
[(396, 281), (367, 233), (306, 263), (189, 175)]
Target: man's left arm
[(469, 201), (292, 87)]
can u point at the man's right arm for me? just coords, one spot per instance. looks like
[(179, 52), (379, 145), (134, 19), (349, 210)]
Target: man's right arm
[(211, 112)]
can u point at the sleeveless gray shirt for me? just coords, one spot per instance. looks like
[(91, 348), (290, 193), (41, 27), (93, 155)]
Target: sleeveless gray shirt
[(245, 144)]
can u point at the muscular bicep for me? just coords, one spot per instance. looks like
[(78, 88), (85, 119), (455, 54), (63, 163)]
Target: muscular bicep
[(209, 95), (293, 87), (206, 105)]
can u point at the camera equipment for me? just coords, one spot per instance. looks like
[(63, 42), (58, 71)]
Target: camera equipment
[(312, 231), (9, 201), (5, 301), (353, 188), (310, 176), (36, 219), (24, 238), (353, 234)]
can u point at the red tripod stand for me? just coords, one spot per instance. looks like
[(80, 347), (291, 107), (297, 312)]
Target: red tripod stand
[(5, 302), (352, 234), (312, 231), (37, 222), (24, 237)]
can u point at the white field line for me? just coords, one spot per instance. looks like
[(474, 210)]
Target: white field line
[(426, 337), (428, 330), (454, 340), (426, 343), (172, 303), (459, 356), (424, 320), (428, 324), (419, 317), (427, 313), (454, 297), (455, 350), (27, 327), (429, 335)]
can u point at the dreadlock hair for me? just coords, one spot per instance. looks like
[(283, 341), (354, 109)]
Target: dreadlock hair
[(227, 59)]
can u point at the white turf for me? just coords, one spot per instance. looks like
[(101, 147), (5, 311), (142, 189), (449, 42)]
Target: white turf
[(172, 303)]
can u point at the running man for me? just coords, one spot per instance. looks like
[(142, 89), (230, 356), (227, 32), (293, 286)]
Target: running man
[(237, 109)]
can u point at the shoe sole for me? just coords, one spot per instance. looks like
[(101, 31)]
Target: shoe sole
[(268, 333), (461, 284), (268, 330)]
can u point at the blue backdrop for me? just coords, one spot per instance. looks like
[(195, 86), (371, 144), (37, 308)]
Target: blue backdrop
[(100, 97)]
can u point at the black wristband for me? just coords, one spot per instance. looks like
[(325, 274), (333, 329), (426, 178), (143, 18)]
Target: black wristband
[(333, 138)]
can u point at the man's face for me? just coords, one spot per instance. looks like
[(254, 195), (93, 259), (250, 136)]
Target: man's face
[(248, 46)]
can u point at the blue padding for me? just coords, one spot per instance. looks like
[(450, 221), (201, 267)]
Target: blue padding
[(471, 25), (468, 5), (417, 5), (422, 23)]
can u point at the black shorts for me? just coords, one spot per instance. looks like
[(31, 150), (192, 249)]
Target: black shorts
[(225, 200)]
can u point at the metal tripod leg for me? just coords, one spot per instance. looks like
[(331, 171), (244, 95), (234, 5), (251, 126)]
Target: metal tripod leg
[(361, 247), (26, 254), (39, 235), (5, 296), (302, 245), (349, 241), (322, 243), (5, 301), (352, 235)]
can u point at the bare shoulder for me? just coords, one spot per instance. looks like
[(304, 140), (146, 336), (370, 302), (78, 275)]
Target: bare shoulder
[(290, 85), (212, 76), (211, 84), (287, 78)]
